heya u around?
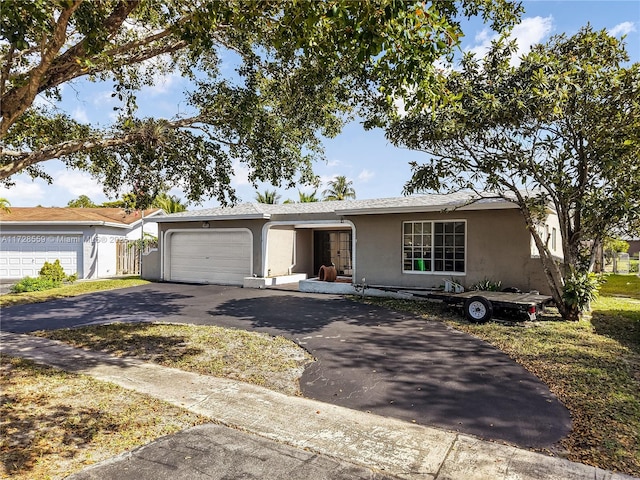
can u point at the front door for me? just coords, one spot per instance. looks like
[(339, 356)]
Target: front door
[(333, 247)]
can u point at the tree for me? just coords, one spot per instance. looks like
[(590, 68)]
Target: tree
[(82, 202), (269, 196), (307, 197), (560, 129), (169, 203), (301, 68), (339, 189), (5, 205), (304, 197)]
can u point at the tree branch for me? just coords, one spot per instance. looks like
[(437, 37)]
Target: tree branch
[(18, 100), (24, 160)]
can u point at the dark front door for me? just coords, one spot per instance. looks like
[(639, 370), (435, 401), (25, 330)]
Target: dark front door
[(332, 247)]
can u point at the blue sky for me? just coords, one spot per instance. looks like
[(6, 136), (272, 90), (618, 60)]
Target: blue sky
[(376, 168)]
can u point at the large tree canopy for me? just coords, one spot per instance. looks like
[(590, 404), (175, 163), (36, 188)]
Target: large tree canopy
[(562, 128), (301, 67)]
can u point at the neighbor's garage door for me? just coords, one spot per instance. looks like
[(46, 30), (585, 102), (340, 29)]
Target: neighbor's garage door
[(210, 256), (23, 255)]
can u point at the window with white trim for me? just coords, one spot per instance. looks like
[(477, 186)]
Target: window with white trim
[(433, 247)]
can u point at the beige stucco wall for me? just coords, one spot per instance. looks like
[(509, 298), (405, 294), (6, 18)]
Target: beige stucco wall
[(497, 248), (151, 266), (304, 252), (280, 250), (254, 225)]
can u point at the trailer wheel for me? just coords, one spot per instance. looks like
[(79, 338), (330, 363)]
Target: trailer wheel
[(478, 309)]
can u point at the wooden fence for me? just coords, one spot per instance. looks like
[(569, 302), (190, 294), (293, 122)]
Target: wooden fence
[(127, 257)]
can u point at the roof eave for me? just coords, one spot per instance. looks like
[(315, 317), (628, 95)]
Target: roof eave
[(211, 218), (62, 222), (426, 208)]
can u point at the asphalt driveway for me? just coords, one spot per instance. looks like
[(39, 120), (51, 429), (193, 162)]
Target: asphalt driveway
[(368, 358)]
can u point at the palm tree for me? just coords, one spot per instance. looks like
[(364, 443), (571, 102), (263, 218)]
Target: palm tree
[(269, 196), (169, 203), (308, 197), (5, 204), (339, 189)]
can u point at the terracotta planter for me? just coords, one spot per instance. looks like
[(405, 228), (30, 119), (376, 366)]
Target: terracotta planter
[(327, 274)]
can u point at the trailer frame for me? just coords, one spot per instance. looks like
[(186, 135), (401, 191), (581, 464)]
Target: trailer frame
[(479, 306)]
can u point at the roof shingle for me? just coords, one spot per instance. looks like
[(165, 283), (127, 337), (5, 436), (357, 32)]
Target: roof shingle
[(73, 215)]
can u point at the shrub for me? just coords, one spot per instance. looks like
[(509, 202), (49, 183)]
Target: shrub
[(580, 289), (53, 271), (487, 285), (30, 284)]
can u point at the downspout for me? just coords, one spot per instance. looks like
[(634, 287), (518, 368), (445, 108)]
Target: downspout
[(295, 252)]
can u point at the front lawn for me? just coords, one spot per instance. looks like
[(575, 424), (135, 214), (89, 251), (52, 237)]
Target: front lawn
[(56, 423), (621, 285), (69, 290), (258, 358), (592, 366)]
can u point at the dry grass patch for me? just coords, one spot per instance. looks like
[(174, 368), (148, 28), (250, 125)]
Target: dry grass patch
[(55, 423), (261, 359)]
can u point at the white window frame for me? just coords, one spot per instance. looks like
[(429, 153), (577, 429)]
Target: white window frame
[(433, 260)]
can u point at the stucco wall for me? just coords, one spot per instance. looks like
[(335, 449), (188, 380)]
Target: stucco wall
[(280, 250), (497, 248), (151, 266), (304, 252), (254, 225)]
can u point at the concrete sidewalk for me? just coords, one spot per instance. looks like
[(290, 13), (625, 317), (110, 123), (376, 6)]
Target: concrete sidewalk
[(381, 446)]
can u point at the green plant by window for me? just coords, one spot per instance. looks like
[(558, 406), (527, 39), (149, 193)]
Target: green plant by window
[(580, 289), (487, 285)]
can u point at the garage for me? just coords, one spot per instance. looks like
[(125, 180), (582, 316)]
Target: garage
[(24, 255), (222, 256)]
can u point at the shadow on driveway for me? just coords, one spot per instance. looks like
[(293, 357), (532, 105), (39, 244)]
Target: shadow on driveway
[(368, 358), (126, 305), (397, 365)]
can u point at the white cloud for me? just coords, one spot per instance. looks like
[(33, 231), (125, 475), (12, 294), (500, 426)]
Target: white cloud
[(333, 163), (78, 183), (366, 175), (80, 115), (623, 28), (240, 174), (527, 33), (25, 192), (531, 31), (162, 83), (325, 179), (103, 98)]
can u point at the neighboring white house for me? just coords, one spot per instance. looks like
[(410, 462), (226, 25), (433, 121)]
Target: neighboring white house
[(83, 239)]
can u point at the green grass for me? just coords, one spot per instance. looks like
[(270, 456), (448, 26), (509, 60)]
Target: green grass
[(69, 290), (621, 285), (592, 366)]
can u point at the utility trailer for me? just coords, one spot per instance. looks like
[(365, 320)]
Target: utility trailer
[(479, 306)]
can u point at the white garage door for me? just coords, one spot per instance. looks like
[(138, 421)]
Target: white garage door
[(210, 256), (23, 255)]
